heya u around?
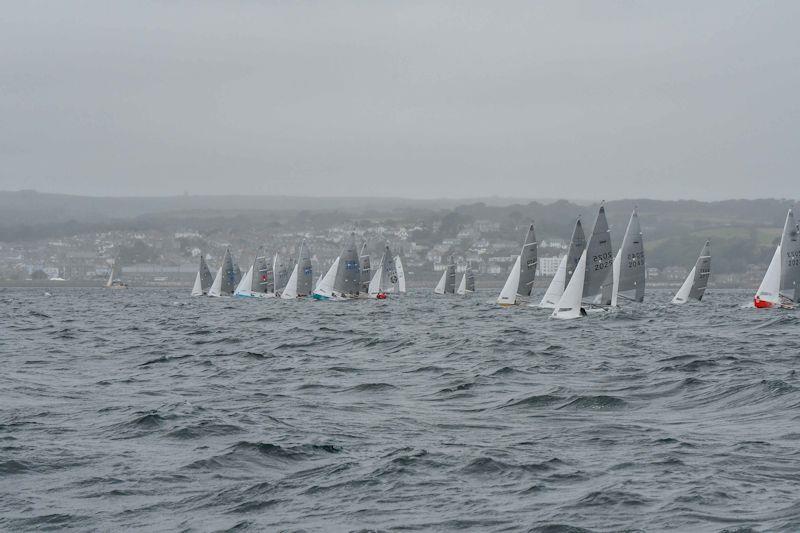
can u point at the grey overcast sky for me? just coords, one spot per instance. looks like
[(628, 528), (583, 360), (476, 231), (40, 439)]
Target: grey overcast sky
[(582, 100)]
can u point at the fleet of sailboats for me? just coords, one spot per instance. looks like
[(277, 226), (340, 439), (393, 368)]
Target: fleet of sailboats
[(589, 277)]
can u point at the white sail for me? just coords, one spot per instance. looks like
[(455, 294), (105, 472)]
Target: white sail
[(375, 282), (682, 296), (615, 277), (401, 274), (290, 291), (569, 305), (197, 289), (325, 287), (439, 289), (769, 290), (508, 296), (556, 288), (462, 287), (110, 277), (245, 284), (216, 287)]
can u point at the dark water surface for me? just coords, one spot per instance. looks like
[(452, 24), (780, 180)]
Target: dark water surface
[(147, 409)]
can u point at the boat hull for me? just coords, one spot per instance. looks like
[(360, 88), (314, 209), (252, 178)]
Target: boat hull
[(762, 304)]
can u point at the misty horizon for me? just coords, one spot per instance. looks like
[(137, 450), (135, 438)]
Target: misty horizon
[(562, 100)]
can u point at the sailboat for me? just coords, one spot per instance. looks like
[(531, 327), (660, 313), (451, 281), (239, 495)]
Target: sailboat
[(299, 284), (598, 284), (366, 271), (467, 284), (114, 277), (280, 273), (779, 288), (695, 285), (399, 271), (628, 269), (593, 275), (343, 279), (203, 280), (566, 268), (447, 283), (225, 281), (385, 276), (520, 280), (569, 305), (255, 283)]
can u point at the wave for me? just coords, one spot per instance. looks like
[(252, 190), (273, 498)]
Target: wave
[(535, 401), (489, 465), (559, 528), (202, 430), (371, 387), (600, 402), (245, 453)]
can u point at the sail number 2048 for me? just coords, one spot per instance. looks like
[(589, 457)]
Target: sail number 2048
[(635, 259)]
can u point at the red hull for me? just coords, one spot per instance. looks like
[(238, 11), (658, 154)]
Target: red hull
[(761, 304)]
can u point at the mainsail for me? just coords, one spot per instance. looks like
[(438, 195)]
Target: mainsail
[(569, 305), (469, 276), (348, 275), (599, 260), (262, 275), (280, 272), (556, 287), (304, 271), (528, 261), (629, 266), (790, 261), (695, 285), (577, 244), (364, 265)]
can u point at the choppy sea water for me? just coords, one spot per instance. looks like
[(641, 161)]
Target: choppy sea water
[(148, 409)]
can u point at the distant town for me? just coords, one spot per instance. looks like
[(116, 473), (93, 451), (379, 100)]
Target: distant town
[(163, 246)]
